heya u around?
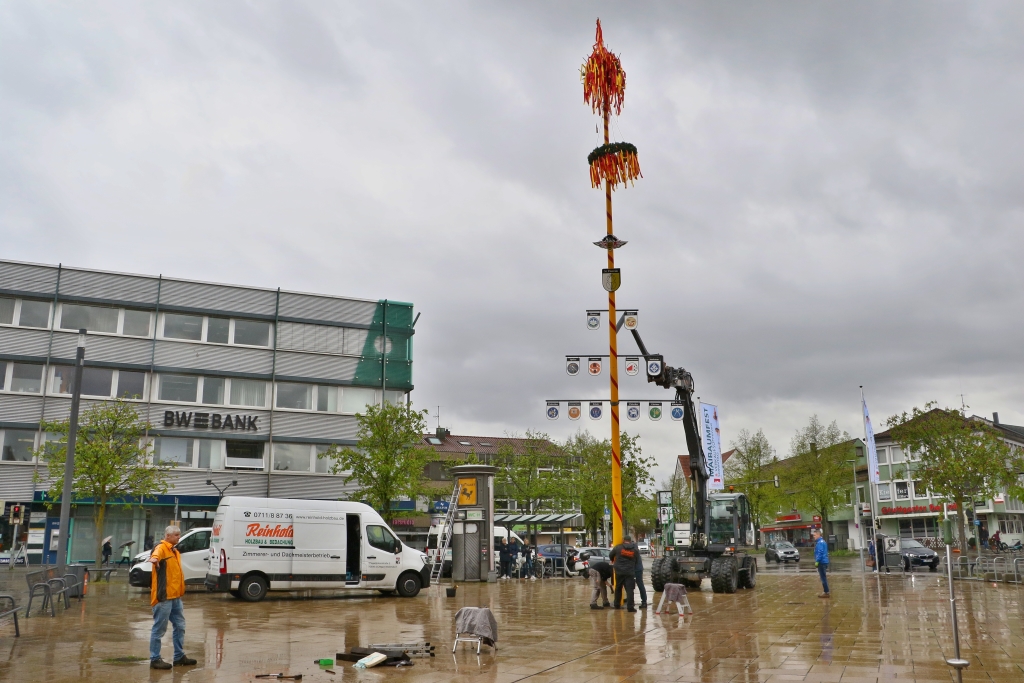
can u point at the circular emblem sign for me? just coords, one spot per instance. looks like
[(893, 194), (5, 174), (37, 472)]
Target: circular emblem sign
[(677, 413), (574, 412), (633, 412), (654, 368), (654, 413), (593, 322), (595, 367), (573, 367), (595, 412)]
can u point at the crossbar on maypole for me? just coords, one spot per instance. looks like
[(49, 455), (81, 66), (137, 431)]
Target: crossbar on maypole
[(611, 164)]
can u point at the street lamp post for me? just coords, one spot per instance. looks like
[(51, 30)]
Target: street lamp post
[(220, 489), (69, 459), (856, 512)]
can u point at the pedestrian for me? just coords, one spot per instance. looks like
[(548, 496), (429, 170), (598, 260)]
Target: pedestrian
[(871, 554), (821, 561), (166, 588), (639, 576), (514, 551), (147, 543), (600, 575), (531, 553), (108, 550), (623, 558), (504, 558), (126, 555)]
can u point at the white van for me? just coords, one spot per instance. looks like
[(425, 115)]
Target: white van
[(500, 532), (194, 546), (261, 544)]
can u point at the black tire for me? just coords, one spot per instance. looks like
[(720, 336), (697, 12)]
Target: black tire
[(658, 580), (933, 567), (749, 578), (408, 585), (253, 588), (724, 574)]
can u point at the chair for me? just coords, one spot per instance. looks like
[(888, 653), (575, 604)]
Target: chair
[(475, 625), (675, 592)]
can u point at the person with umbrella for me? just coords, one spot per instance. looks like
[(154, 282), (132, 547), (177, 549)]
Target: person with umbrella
[(126, 553), (108, 549)]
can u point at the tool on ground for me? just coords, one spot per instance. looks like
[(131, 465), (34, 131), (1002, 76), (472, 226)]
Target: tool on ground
[(324, 662), (296, 677), (411, 649)]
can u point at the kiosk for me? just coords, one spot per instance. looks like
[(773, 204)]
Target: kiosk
[(473, 527)]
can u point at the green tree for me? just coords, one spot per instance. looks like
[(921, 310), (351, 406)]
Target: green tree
[(590, 462), (750, 470), (960, 458), (388, 461), (111, 462), (527, 477), (636, 482), (820, 473)]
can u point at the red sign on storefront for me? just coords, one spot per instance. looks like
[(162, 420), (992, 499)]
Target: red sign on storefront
[(915, 509), (795, 517)]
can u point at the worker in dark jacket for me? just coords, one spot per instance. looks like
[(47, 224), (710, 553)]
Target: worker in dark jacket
[(639, 576), (623, 557), (600, 575)]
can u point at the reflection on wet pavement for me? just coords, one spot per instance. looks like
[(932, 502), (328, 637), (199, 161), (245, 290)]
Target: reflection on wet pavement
[(873, 628)]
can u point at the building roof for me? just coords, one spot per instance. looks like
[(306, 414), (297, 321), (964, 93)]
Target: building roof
[(683, 462), (1014, 432), (455, 444)]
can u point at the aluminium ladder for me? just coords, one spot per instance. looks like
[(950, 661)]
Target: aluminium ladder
[(444, 537)]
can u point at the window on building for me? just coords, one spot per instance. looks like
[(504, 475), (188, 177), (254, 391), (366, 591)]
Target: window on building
[(26, 378), (3, 375), (902, 490), (18, 445), (323, 462), (137, 323), (213, 390), (173, 451), (1011, 524), (97, 381), (6, 311), (849, 496), (884, 492), (327, 399), (131, 384), (243, 454), (92, 318), (179, 388), (252, 333), (211, 454), (861, 495), (896, 454), (881, 456), (920, 490), (218, 330), (355, 399), (248, 392), (1012, 504), (921, 527), (34, 313), (180, 326), (296, 396), (291, 457)]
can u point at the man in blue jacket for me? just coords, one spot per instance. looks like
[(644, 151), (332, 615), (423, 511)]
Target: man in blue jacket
[(821, 561)]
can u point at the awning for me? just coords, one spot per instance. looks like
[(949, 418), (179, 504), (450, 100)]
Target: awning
[(797, 526), (560, 518)]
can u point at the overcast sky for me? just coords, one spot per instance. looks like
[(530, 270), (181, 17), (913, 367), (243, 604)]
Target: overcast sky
[(832, 193)]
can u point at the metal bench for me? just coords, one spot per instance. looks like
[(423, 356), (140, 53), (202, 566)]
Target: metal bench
[(11, 611), (51, 587)]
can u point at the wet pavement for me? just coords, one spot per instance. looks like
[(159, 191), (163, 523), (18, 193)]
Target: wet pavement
[(872, 629)]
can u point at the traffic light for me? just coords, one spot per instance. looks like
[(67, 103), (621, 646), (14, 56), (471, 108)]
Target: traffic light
[(17, 514)]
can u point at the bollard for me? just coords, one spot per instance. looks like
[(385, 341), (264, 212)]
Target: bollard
[(957, 662)]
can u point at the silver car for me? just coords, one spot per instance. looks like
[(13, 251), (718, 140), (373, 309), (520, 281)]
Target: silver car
[(781, 551)]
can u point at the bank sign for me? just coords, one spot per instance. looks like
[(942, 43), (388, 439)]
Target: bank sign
[(180, 418)]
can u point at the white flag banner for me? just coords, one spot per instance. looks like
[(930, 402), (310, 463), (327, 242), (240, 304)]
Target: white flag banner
[(712, 446), (869, 437)]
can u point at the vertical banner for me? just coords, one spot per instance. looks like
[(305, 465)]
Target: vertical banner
[(574, 410), (633, 410), (552, 410), (712, 446), (595, 410), (869, 438), (594, 366)]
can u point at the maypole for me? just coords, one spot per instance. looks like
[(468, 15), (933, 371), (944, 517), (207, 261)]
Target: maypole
[(604, 86)]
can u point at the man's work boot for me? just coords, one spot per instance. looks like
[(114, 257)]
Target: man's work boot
[(158, 664), (823, 595), (630, 609), (184, 661), (607, 604), (594, 605)]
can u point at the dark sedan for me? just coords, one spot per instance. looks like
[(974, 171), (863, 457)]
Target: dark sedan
[(916, 555), (781, 551)]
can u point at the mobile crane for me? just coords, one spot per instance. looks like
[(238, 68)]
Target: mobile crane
[(720, 531)]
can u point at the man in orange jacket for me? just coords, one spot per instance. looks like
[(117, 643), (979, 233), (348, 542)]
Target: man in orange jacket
[(165, 590)]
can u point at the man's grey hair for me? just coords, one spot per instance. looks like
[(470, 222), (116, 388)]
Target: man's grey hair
[(172, 530), (816, 531)]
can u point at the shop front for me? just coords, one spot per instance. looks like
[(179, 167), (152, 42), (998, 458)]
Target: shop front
[(793, 528)]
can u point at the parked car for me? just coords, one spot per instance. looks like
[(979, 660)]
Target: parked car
[(915, 554), (194, 546), (781, 551), (644, 547), (553, 554)]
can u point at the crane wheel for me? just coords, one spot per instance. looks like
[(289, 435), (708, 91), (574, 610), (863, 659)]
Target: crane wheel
[(658, 579), (749, 578), (724, 574)]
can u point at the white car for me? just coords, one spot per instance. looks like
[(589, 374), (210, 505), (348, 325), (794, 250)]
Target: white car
[(194, 546), (644, 548)]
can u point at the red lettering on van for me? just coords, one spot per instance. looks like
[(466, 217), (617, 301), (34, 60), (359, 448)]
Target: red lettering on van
[(265, 531)]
